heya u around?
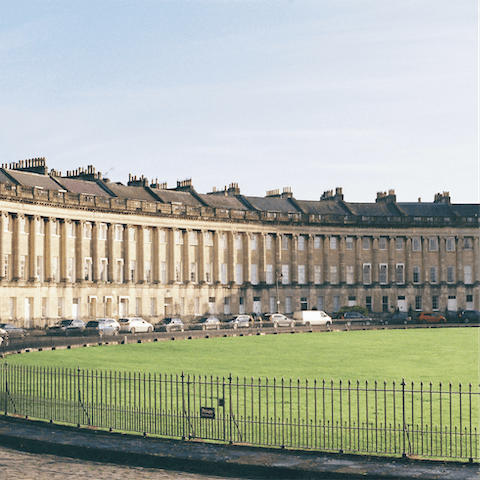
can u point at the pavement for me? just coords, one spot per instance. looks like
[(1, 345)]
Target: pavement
[(240, 461)]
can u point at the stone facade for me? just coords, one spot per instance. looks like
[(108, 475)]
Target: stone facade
[(81, 246)]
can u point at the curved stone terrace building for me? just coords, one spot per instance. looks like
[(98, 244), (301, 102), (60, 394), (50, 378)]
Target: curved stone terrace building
[(80, 246)]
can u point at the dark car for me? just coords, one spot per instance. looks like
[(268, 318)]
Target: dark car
[(467, 316), (66, 327), (170, 325), (100, 327), (13, 331), (398, 318)]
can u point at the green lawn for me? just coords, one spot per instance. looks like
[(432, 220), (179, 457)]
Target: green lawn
[(138, 388), (428, 355)]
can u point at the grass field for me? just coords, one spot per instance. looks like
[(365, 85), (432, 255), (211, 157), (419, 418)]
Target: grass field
[(98, 385), (427, 355)]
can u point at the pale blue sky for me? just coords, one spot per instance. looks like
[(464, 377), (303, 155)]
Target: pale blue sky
[(367, 95)]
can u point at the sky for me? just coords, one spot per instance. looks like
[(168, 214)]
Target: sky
[(367, 95)]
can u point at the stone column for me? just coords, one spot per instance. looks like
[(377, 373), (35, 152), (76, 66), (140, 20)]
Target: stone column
[(342, 275), (294, 262), (359, 260), (326, 259), (95, 255), (47, 246), (79, 260), (425, 261), (186, 256), (442, 257), (201, 256), (126, 254), (3, 221), (459, 260), (216, 257), (111, 252), (141, 254), (32, 248), (232, 256), (392, 259), (262, 263), (156, 270), (63, 254), (172, 255), (247, 258), (375, 267), (408, 261), (310, 273)]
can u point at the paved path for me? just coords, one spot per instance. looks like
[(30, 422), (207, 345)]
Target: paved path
[(133, 457), (18, 465)]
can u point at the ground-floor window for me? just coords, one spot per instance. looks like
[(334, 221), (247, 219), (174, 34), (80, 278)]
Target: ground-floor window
[(304, 303), (418, 303)]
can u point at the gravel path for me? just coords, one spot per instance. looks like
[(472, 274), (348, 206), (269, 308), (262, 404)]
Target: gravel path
[(17, 465)]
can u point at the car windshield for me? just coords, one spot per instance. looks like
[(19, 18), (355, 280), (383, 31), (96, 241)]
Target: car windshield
[(92, 324), (124, 320), (65, 322)]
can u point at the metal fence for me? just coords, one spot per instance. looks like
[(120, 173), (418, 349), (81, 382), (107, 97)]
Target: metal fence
[(353, 417)]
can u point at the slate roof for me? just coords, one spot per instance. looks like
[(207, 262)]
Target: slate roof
[(172, 196), (379, 209), (32, 180), (222, 201), (130, 193), (322, 207), (272, 204), (421, 209), (466, 209), (85, 187)]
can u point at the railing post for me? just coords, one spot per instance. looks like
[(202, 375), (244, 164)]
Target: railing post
[(6, 388), (404, 453)]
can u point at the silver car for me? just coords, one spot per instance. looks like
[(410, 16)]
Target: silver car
[(207, 323), (240, 321), (280, 320), (170, 324)]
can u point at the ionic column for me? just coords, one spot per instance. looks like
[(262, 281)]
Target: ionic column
[(459, 259), (294, 278), (79, 260), (216, 257), (95, 259), (186, 255), (343, 271), (127, 253), (425, 262), (391, 259), (47, 245), (111, 252), (476, 263), (247, 258), (156, 270), (141, 254), (232, 256), (2, 245), (310, 260), (63, 251), (326, 259), (375, 269), (32, 248), (262, 258), (358, 260), (408, 260), (442, 257)]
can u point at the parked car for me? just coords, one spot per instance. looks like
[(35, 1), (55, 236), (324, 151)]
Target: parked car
[(100, 327), (312, 317), (66, 327), (427, 317), (3, 337), (467, 316), (207, 323), (280, 320), (170, 324), (112, 322), (135, 325), (398, 318), (240, 321), (13, 331), (356, 317)]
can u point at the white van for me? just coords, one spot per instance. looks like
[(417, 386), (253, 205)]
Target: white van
[(312, 317)]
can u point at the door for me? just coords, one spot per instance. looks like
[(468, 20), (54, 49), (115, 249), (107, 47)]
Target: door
[(402, 304), (452, 303)]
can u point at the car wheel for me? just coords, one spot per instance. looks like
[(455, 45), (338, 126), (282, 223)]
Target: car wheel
[(132, 330), (181, 329), (385, 322), (149, 329), (307, 324), (100, 333), (204, 327), (292, 324), (424, 321), (328, 324), (235, 326), (465, 320), (114, 333), (275, 324)]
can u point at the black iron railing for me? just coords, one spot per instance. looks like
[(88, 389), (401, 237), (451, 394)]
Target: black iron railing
[(400, 419)]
